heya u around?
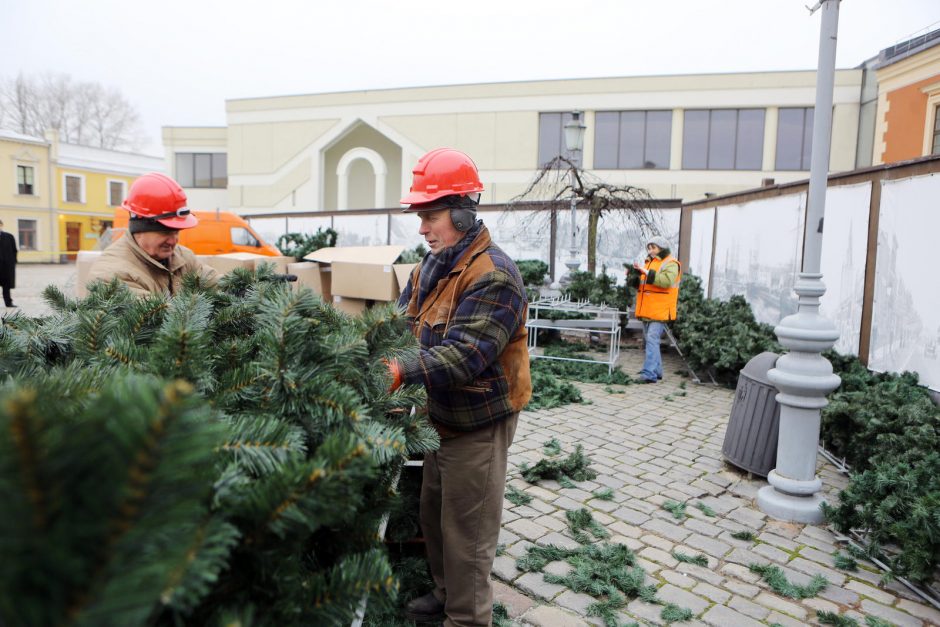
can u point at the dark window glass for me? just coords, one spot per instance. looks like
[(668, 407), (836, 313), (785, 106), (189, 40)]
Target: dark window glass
[(184, 169), (658, 139), (203, 176), (632, 138), (606, 139), (936, 132), (243, 237), (73, 189), (115, 193), (695, 140), (24, 179), (27, 234), (749, 147), (219, 170), (790, 139), (721, 139), (552, 138)]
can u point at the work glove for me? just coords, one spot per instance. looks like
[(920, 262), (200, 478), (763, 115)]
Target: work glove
[(394, 371)]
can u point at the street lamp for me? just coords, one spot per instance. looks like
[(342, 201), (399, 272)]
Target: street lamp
[(574, 142)]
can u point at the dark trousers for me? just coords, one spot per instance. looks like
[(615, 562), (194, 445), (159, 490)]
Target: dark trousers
[(461, 507), (7, 299)]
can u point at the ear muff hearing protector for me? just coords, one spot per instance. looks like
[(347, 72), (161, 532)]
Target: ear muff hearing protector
[(463, 218)]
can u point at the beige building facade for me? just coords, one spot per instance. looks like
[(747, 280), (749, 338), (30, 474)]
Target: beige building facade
[(677, 136)]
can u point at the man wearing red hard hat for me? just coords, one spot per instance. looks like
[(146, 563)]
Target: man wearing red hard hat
[(466, 303), (149, 260)]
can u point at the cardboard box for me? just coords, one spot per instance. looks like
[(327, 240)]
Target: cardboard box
[(229, 261), (364, 272), (352, 306), (312, 275), (84, 260), (403, 274)]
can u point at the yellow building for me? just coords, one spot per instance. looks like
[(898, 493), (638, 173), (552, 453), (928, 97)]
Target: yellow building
[(89, 184), (26, 206)]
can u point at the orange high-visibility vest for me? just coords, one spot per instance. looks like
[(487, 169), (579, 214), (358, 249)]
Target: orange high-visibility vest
[(658, 303)]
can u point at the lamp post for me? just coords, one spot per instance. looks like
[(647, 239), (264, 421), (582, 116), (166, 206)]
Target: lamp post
[(803, 375), (574, 142)]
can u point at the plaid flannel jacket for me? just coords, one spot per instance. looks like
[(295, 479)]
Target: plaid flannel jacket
[(473, 356)]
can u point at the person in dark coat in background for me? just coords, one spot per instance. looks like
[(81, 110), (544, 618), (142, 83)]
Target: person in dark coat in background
[(7, 265)]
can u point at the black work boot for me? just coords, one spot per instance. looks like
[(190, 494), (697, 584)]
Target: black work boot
[(425, 609)]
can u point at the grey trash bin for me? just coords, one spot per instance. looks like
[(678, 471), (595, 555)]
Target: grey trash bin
[(751, 436)]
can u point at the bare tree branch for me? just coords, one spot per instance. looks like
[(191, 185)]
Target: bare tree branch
[(83, 113)]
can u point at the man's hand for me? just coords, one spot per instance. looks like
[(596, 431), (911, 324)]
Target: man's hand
[(394, 370)]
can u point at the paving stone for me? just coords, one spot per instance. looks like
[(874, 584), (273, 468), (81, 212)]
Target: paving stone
[(740, 588), (774, 602), (550, 522), (683, 598), (928, 614), (782, 619), (575, 601), (657, 555), (711, 592), (749, 608), (748, 516), (839, 595), (783, 529), (812, 568), (772, 553), (646, 612), (527, 529), (666, 529), (620, 528), (515, 602), (700, 572), (816, 543), (558, 539), (778, 541), (519, 548), (745, 557), (721, 616), (504, 567), (506, 537), (902, 619), (558, 567), (602, 505), (535, 584), (541, 506), (710, 546), (507, 515), (657, 542), (676, 578), (540, 493), (548, 616), (820, 605), (702, 527)]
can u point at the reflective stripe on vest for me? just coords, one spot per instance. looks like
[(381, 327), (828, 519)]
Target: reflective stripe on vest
[(658, 303)]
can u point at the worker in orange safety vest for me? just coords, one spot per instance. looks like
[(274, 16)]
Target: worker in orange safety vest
[(656, 300)]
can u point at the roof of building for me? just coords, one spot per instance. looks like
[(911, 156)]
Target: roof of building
[(908, 48), (20, 137)]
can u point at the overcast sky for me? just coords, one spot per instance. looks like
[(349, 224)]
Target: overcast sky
[(178, 61)]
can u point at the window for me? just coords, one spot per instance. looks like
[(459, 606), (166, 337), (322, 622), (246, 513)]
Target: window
[(632, 140), (552, 138), (243, 237), (116, 193), (202, 169), (936, 132), (723, 139), (794, 138), (73, 188), (25, 181), (27, 234)]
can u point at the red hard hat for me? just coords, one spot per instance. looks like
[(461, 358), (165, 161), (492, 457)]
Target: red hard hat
[(443, 172), (157, 197)]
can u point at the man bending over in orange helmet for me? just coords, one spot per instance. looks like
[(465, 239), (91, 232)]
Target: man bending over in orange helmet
[(467, 307), (149, 260)]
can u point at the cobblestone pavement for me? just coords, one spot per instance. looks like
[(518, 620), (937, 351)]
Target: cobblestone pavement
[(652, 444), (32, 279)]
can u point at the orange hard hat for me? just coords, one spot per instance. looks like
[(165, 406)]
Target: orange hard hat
[(156, 196), (443, 172)]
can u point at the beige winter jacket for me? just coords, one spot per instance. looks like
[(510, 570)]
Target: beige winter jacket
[(142, 273)]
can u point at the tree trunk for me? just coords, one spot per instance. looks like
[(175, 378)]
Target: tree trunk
[(594, 216)]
